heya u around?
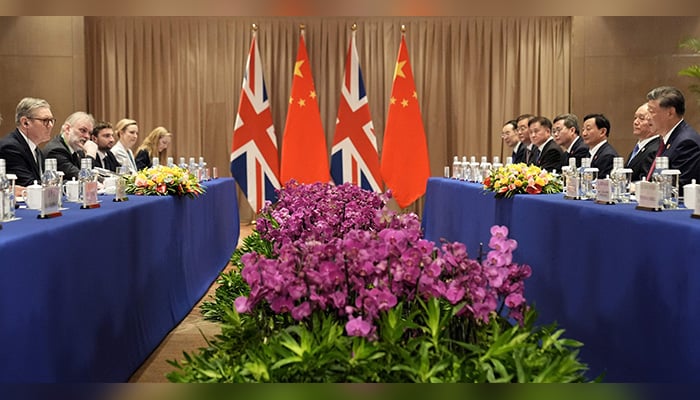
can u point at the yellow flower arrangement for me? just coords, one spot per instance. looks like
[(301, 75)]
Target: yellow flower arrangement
[(509, 180), (163, 181)]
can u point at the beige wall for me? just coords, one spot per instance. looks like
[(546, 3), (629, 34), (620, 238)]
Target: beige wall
[(42, 57), (617, 60)]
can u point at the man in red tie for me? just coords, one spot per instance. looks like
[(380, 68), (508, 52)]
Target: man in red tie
[(681, 142)]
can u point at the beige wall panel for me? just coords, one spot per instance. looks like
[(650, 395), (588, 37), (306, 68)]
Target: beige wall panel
[(50, 78), (36, 36), (42, 57)]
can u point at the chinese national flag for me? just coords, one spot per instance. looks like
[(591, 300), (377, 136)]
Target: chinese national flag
[(304, 152), (405, 166)]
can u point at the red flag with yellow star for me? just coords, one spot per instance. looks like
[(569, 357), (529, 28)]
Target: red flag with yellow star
[(405, 166), (304, 152)]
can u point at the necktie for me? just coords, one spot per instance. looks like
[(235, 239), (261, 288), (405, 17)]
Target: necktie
[(535, 155), (658, 153), (39, 163), (634, 151), (131, 158)]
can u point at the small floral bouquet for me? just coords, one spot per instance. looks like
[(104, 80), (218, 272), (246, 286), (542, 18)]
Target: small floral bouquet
[(511, 179), (162, 181)]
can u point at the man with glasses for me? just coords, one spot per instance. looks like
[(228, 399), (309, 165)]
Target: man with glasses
[(68, 146), (566, 133), (23, 158)]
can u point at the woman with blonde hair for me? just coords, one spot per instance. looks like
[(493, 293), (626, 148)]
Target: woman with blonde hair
[(127, 131), (156, 144)]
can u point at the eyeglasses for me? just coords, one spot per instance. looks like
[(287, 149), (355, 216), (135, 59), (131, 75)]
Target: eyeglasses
[(46, 121)]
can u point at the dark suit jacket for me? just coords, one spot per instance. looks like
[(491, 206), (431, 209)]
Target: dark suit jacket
[(143, 160), (579, 150), (519, 156), (603, 160), (66, 161), (110, 163), (641, 162), (19, 159), (551, 157), (683, 152)]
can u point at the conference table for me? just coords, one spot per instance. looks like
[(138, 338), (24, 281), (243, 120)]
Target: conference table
[(624, 282), (87, 296)]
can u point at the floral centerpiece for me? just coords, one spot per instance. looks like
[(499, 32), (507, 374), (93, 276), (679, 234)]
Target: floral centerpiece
[(332, 286), (162, 181), (512, 179)]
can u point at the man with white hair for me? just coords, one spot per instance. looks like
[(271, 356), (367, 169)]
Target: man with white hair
[(641, 157), (68, 146)]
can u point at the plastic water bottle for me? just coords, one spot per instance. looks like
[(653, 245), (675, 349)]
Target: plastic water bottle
[(84, 176), (7, 195), (456, 168)]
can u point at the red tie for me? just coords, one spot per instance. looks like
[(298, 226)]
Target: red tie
[(658, 153)]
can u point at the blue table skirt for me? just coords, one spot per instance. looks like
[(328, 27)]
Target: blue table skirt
[(87, 296), (625, 282)]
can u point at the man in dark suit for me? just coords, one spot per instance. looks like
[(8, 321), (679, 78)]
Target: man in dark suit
[(523, 123), (566, 134), (546, 152), (509, 134), (99, 145), (67, 147), (682, 143), (641, 157), (596, 130), (23, 158)]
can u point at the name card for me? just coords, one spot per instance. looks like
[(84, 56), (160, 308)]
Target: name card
[(90, 195), (648, 196), (572, 185), (50, 202), (696, 213), (604, 192)]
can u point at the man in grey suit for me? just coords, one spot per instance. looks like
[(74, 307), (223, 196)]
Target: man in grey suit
[(681, 142), (67, 147), (644, 151), (34, 121)]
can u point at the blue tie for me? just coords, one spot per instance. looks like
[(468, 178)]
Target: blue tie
[(635, 151)]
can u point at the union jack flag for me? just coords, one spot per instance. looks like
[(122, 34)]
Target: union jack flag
[(254, 155), (354, 155)]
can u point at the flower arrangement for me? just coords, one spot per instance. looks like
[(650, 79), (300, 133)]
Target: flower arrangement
[(334, 287), (512, 179), (162, 181)]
